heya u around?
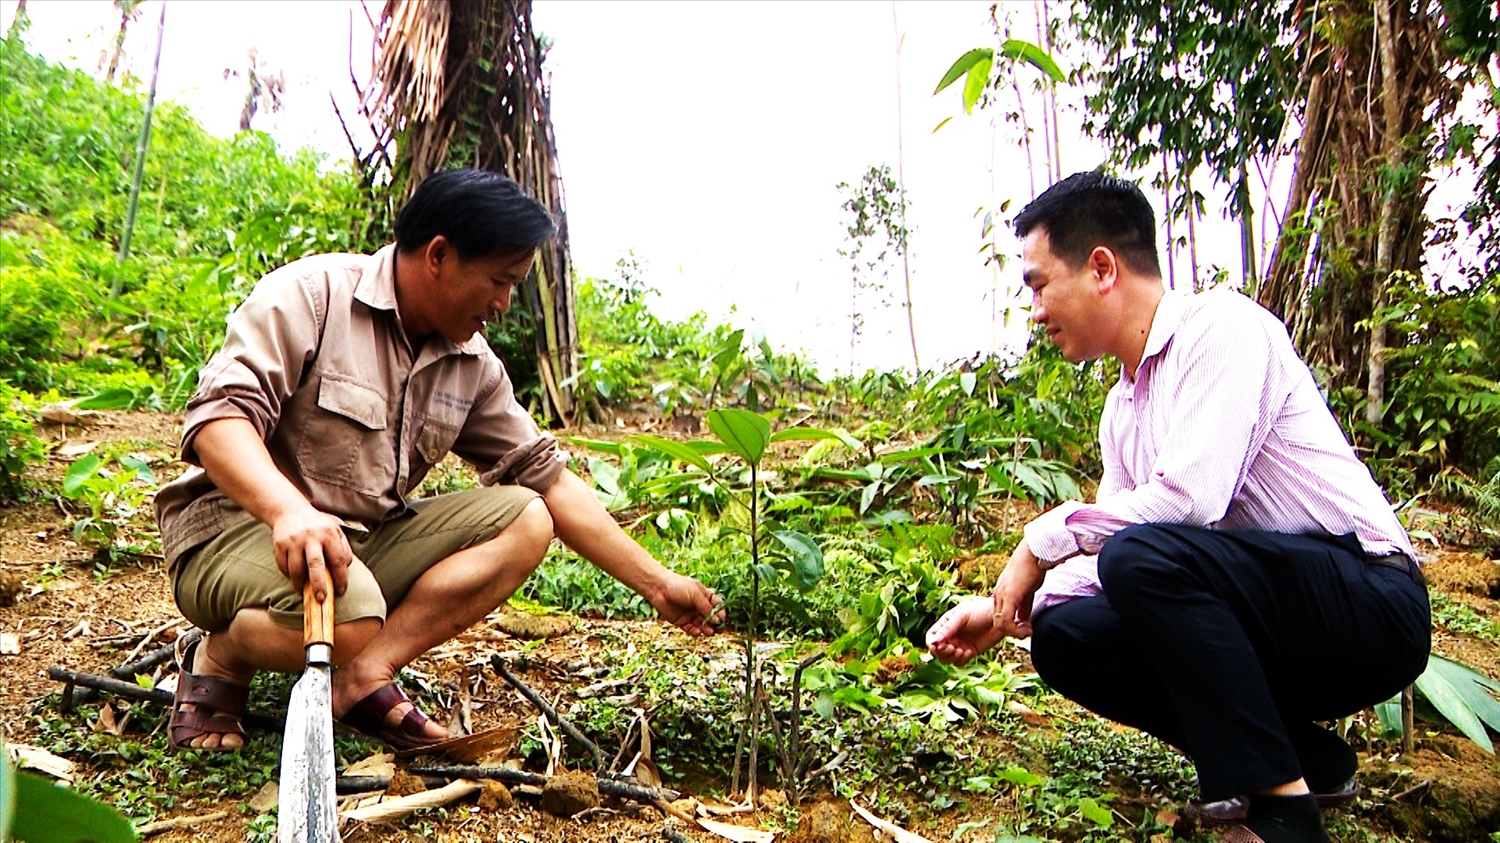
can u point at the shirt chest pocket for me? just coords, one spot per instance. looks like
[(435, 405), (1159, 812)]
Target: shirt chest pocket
[(346, 442), (435, 437)]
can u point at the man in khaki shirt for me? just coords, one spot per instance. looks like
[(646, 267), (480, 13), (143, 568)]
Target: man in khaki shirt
[(342, 381)]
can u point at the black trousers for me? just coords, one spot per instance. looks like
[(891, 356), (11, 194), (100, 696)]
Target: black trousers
[(1228, 645)]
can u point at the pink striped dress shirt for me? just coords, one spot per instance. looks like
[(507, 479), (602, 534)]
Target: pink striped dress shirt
[(1224, 427)]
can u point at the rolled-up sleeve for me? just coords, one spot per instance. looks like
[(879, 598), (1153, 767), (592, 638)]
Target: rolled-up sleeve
[(505, 443), (271, 339)]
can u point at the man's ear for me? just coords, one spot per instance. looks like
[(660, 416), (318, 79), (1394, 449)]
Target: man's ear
[(437, 250), (1105, 265)]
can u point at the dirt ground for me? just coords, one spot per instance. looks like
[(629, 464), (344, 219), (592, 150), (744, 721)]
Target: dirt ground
[(61, 614)]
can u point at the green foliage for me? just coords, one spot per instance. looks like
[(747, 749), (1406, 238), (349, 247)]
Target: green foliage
[(114, 490), (906, 594), (1460, 619), (50, 813), (1464, 697), (1443, 406), (1201, 85), (629, 357), (20, 447), (974, 68), (214, 216), (876, 233)]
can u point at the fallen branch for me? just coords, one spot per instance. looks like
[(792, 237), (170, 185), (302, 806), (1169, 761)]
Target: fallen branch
[(1411, 791), (150, 635), (498, 664), (129, 670), (175, 823), (395, 809), (132, 691), (611, 787)]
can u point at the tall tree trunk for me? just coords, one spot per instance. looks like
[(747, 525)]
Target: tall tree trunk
[(1391, 100), (1354, 209), (462, 85)]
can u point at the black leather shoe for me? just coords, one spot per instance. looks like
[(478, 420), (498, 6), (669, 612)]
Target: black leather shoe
[(1231, 811)]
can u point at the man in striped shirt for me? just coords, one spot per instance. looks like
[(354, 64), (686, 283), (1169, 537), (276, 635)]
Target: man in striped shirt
[(1240, 574)]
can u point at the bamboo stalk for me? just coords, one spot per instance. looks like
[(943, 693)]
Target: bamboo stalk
[(142, 145)]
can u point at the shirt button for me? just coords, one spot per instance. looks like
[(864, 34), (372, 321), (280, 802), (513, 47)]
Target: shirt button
[(433, 455)]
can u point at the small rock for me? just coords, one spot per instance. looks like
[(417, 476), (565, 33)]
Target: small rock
[(12, 586), (405, 784), (495, 797), (532, 627), (824, 822), (568, 793), (772, 800)]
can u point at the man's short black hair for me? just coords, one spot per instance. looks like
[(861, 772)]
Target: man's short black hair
[(1086, 210), (479, 212)]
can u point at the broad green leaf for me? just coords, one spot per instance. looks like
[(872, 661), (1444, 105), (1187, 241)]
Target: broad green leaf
[(967, 380), (47, 813), (674, 449), (809, 434), (823, 705), (1033, 55), (1095, 813), (974, 85), (867, 497), (807, 558), (1440, 689), (1389, 713), (1471, 686), (965, 65), (80, 472), (612, 448), (746, 433), (115, 398), (1021, 777)]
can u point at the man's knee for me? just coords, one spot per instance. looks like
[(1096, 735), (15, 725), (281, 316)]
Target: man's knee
[(525, 539), (1131, 554), (535, 523)]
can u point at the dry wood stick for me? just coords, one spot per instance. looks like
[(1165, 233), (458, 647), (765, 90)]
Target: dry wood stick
[(152, 634), (148, 829), (128, 671), (132, 691), (572, 731), (638, 792)]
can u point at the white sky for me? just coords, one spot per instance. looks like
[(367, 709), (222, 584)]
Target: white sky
[(707, 137)]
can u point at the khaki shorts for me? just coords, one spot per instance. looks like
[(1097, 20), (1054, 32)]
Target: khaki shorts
[(237, 569)]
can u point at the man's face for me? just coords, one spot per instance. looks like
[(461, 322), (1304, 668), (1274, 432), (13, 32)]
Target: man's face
[(1065, 300), (469, 293)]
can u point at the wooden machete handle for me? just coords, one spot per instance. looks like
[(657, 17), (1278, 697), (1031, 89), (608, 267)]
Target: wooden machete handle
[(317, 617)]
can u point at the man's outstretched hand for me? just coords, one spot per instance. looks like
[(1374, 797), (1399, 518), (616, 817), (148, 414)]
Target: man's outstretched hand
[(979, 623), (688, 605)]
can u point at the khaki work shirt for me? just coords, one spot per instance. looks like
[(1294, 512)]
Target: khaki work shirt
[(317, 361)]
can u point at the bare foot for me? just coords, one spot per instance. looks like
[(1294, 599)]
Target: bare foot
[(964, 631)]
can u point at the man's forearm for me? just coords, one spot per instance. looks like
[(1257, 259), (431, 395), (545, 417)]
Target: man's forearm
[(586, 527), (237, 461)]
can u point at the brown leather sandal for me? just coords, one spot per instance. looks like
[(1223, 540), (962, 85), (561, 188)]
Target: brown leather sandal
[(218, 706), (367, 717)]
